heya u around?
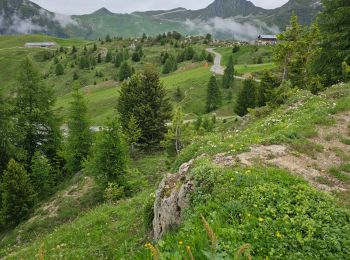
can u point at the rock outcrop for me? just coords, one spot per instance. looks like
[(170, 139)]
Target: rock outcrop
[(172, 198)]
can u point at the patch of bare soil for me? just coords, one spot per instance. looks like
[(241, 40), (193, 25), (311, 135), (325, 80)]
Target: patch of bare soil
[(314, 169)]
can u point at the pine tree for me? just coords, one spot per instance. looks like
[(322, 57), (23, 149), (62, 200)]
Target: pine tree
[(108, 38), (74, 49), (213, 95), (118, 59), (79, 139), (59, 69), (41, 175), (136, 57), (335, 44), (228, 74), (246, 97), (108, 56), (75, 76), (17, 194), (99, 58), (170, 65), (95, 47), (210, 58), (145, 98), (109, 163), (7, 149), (125, 71), (36, 121), (267, 84)]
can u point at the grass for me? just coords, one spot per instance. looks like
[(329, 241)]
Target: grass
[(252, 68)]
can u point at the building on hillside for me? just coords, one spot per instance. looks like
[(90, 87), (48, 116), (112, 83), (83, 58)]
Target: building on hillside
[(266, 39), (40, 44)]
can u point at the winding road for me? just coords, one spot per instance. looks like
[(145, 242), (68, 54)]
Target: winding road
[(217, 68)]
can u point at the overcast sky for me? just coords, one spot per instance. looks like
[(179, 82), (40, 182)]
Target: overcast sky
[(127, 6)]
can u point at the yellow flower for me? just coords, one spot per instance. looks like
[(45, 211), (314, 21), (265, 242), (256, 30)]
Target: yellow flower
[(261, 219), (249, 215), (278, 234), (188, 247), (180, 242)]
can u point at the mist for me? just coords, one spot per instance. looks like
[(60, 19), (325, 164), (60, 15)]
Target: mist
[(231, 28)]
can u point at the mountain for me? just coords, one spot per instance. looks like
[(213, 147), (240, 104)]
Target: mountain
[(239, 19)]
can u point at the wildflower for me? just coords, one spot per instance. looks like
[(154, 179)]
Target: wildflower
[(261, 219), (249, 215), (180, 242), (278, 234)]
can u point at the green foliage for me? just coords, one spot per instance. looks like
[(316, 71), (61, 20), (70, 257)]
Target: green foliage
[(108, 56), (59, 69), (118, 59), (125, 71), (113, 192), (144, 97), (41, 175), (17, 195), (148, 213), (135, 56), (108, 38), (335, 30), (214, 98), (235, 48), (109, 160), (133, 134), (265, 88), (246, 97), (210, 58), (228, 74), (179, 95), (37, 124), (271, 209), (170, 65), (79, 138), (174, 140)]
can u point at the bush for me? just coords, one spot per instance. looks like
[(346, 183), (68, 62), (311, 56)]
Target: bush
[(113, 192)]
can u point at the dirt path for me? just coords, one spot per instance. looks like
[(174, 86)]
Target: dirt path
[(314, 168)]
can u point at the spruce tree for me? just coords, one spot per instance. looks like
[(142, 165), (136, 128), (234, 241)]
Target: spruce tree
[(95, 47), (228, 74), (145, 98), (109, 163), (246, 97), (59, 69), (7, 148), (41, 175), (125, 71), (335, 44), (267, 84), (118, 59), (79, 138), (213, 95), (136, 57), (133, 134), (170, 65), (108, 56), (17, 194), (108, 38), (37, 123)]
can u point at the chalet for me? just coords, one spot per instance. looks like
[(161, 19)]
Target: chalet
[(40, 44), (266, 39)]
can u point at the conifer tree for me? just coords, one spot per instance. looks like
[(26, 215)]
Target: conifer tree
[(41, 175), (108, 56), (170, 65), (210, 58), (36, 121), (267, 84), (213, 95), (335, 44), (17, 194), (118, 59), (59, 69), (74, 49), (95, 47), (79, 138), (228, 74), (109, 162), (136, 57), (246, 97), (125, 71), (7, 148), (144, 97), (108, 38)]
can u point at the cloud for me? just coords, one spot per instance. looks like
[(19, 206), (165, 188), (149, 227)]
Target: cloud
[(64, 20), (230, 28), (24, 26)]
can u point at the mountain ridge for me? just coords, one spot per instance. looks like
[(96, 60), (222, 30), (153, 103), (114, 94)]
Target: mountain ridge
[(222, 18)]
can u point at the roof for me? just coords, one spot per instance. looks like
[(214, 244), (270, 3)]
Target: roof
[(40, 44), (267, 36)]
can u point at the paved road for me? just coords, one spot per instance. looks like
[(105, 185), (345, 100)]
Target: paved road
[(217, 68)]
